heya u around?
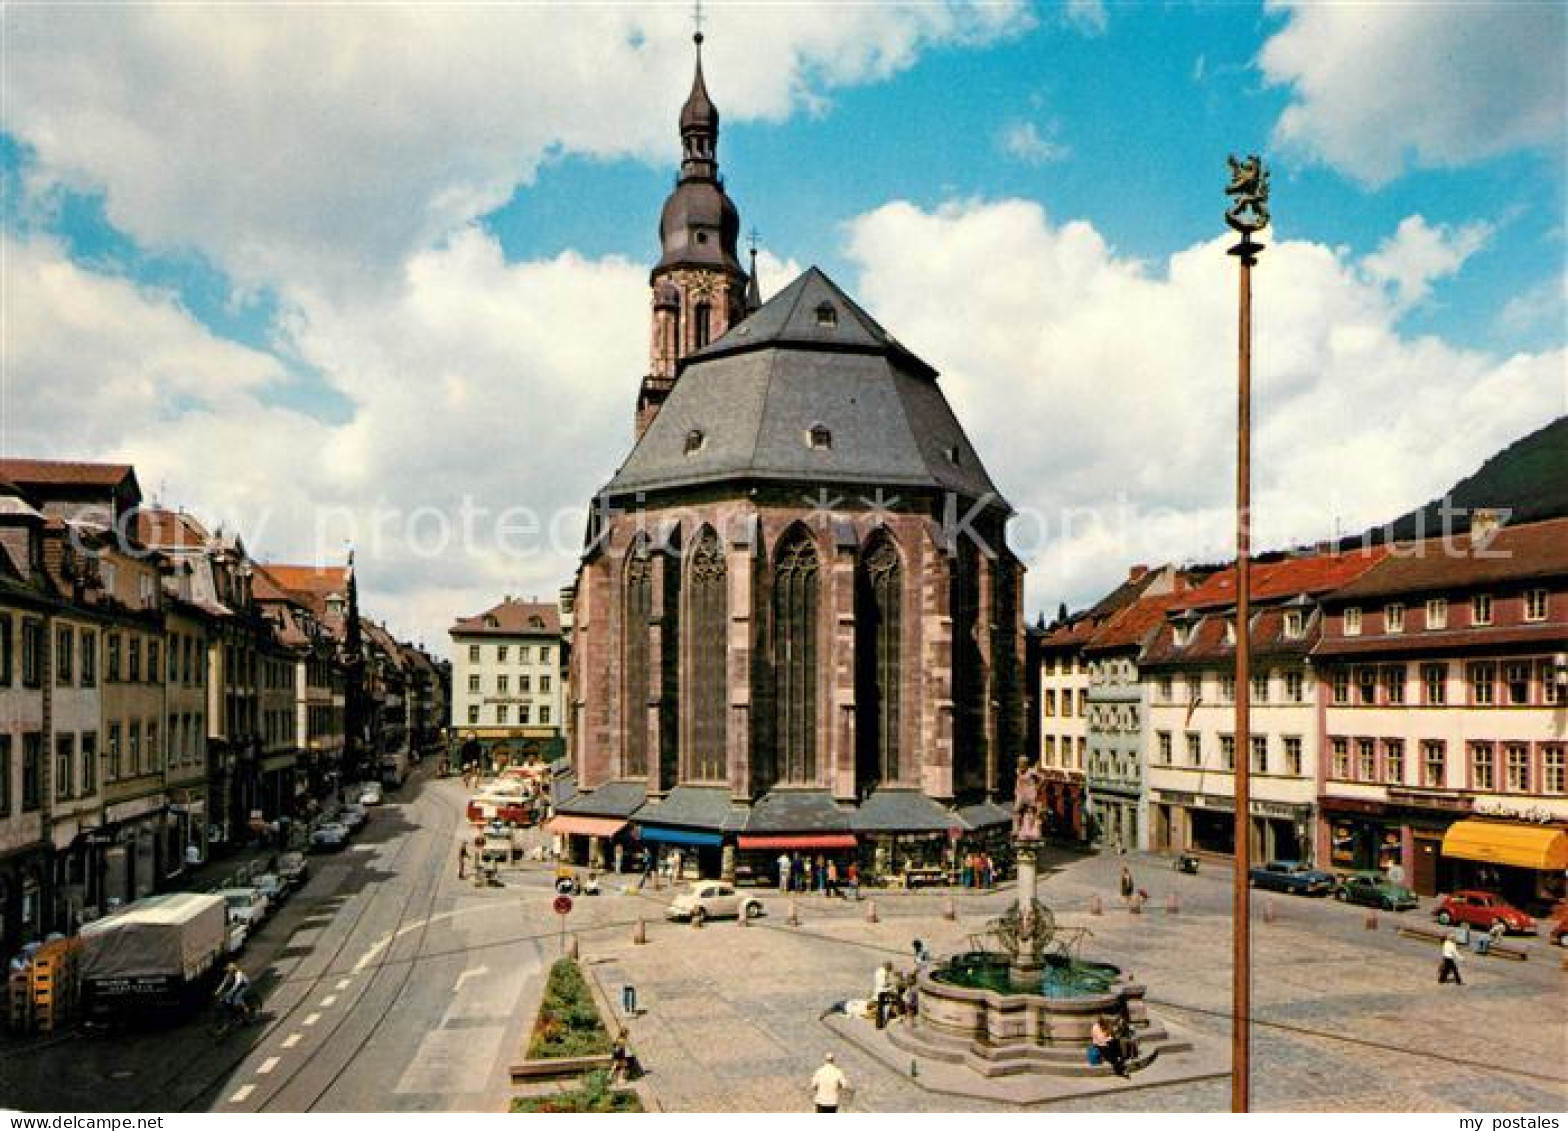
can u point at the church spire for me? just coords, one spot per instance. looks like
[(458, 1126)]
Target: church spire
[(698, 285)]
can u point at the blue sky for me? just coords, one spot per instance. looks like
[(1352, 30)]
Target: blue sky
[(304, 246)]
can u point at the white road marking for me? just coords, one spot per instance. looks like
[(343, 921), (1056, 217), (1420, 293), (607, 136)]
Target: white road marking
[(344, 984), (386, 940), (327, 1002), (476, 972), (291, 1040), (267, 1065), (243, 1094), (311, 1019)]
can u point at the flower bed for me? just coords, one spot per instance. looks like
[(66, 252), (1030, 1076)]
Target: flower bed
[(594, 1094), (568, 1024)]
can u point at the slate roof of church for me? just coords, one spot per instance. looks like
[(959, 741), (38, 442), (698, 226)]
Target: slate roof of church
[(756, 393)]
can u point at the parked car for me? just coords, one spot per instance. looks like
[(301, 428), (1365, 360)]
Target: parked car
[(713, 899), (1482, 909), (1373, 889), (293, 868), (247, 905), (234, 941), (328, 838), (370, 794), (271, 885), (352, 817), (1292, 876)]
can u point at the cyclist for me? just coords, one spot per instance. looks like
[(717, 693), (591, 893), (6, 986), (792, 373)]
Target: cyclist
[(234, 989)]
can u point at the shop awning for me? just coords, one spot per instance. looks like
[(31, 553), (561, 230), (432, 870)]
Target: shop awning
[(1541, 848), (585, 826), (804, 842), (680, 836)]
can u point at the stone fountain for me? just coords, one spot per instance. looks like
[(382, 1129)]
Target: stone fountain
[(1023, 998)]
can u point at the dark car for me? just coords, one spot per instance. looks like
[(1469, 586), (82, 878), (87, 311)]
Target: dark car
[(1482, 909), (293, 868), (328, 838), (1292, 876), (1372, 889)]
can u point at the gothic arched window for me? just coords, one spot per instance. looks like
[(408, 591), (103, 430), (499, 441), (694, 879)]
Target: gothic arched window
[(708, 627), (638, 608), (704, 327), (878, 661), (795, 658)]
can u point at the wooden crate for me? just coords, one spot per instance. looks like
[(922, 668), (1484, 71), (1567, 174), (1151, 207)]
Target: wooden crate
[(54, 985), (19, 1002)]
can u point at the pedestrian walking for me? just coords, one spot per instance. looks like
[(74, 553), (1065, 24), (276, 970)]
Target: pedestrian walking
[(1127, 884), (828, 1085), (987, 870), (783, 866), (620, 854), (832, 882), (852, 878), (820, 876), (1450, 963), (629, 999), (462, 861)]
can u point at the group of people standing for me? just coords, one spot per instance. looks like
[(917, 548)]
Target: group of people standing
[(823, 875), (977, 870)]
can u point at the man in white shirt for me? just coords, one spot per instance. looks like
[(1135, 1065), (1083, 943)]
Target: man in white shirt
[(882, 989), (828, 1085), (1450, 963)]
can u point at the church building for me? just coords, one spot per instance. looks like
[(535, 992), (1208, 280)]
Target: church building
[(797, 625)]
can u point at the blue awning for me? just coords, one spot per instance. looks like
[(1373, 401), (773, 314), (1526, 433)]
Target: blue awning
[(679, 836)]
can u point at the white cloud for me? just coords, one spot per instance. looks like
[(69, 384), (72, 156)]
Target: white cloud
[(1023, 141), (1378, 88), (1088, 16), (1100, 391), (1419, 254), (327, 143)]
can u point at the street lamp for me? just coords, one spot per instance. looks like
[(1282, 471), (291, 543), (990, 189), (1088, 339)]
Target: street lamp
[(1247, 214)]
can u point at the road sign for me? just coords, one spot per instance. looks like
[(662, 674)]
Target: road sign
[(563, 904)]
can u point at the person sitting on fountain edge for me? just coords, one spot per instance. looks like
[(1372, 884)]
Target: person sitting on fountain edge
[(1103, 1036)]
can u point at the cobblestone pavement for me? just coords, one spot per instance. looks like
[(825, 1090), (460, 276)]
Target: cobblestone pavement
[(1346, 1018)]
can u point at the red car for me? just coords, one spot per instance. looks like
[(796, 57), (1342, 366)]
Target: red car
[(1482, 909)]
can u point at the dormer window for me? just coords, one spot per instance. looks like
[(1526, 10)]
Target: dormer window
[(953, 454), (1182, 632), (1394, 618), (827, 315), (491, 622), (1293, 624), (819, 437), (1230, 632), (694, 441), (1353, 620)]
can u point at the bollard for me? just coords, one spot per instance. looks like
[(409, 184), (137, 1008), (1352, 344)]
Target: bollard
[(1268, 911), (1371, 921), (640, 935), (1095, 906), (1172, 904), (949, 911), (572, 950), (914, 1070), (871, 911), (794, 914)]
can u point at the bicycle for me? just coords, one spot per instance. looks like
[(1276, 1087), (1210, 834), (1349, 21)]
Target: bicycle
[(234, 1014)]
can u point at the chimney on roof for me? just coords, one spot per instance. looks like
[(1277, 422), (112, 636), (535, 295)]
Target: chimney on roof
[(1484, 522), (1137, 573)]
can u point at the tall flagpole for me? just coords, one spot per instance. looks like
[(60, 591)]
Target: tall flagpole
[(1248, 213)]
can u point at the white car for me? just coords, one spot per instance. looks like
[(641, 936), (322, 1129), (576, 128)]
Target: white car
[(370, 794), (246, 905), (713, 899)]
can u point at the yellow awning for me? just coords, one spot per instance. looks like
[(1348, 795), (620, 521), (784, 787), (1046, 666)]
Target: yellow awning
[(1539, 847)]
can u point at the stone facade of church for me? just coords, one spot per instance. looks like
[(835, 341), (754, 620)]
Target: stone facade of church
[(796, 621)]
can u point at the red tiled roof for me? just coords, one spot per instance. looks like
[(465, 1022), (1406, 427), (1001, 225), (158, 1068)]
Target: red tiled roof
[(320, 581), (1271, 581), (165, 529), (64, 473), (512, 618), (1514, 553), (1543, 636), (1132, 625), (1209, 644)]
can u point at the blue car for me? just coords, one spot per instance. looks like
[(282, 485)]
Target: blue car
[(1292, 876)]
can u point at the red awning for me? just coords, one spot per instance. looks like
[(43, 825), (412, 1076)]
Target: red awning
[(804, 841), (586, 826)]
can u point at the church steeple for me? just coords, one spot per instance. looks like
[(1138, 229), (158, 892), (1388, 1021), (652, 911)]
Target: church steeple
[(698, 285)]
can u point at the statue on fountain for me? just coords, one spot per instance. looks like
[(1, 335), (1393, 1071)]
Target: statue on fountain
[(1026, 801)]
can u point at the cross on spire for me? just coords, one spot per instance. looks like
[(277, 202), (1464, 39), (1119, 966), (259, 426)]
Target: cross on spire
[(753, 237), (696, 21)]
